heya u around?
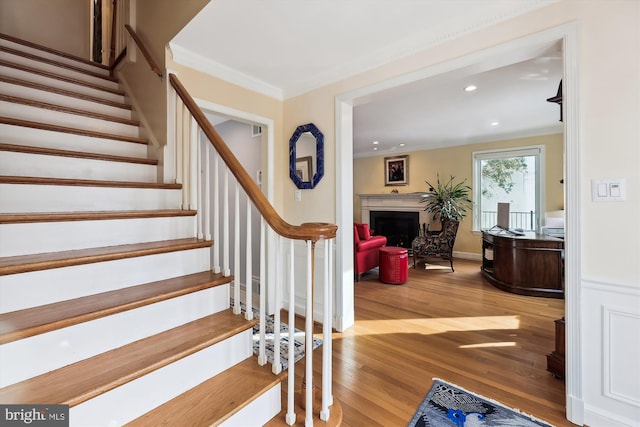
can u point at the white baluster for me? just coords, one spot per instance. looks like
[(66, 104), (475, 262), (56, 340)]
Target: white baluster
[(277, 366), (248, 286), (327, 398), (194, 166), (206, 206), (179, 141), (225, 222), (236, 250), (170, 149), (186, 184), (262, 357), (308, 336), (291, 414), (216, 210), (199, 204)]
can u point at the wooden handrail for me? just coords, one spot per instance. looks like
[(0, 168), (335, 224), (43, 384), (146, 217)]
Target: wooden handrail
[(307, 231), (145, 52)]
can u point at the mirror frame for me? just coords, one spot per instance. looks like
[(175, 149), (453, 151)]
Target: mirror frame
[(319, 167)]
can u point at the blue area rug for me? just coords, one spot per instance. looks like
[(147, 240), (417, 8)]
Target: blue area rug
[(447, 405)]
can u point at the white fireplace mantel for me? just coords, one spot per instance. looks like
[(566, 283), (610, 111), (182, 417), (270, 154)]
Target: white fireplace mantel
[(399, 202)]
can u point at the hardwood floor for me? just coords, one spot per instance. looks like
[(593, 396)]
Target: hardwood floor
[(452, 326)]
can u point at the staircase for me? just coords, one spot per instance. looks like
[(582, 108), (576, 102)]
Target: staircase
[(107, 300)]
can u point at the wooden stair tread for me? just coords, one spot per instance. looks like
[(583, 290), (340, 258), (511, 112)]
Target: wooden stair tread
[(68, 110), (65, 92), (61, 77), (36, 180), (75, 154), (52, 51), (88, 378), (32, 217), (38, 320), (280, 420), (44, 261), (216, 399), (57, 63), (75, 131)]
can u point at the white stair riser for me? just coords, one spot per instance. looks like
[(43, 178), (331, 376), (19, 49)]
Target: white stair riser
[(32, 289), (67, 141), (57, 198), (61, 118), (50, 68), (63, 100), (26, 164), (53, 82), (58, 58), (74, 343), (259, 411), (18, 239), (126, 403)]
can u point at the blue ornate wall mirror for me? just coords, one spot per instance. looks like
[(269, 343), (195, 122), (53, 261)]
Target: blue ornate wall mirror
[(306, 156)]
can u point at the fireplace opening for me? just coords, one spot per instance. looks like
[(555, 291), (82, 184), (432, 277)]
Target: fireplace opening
[(400, 228)]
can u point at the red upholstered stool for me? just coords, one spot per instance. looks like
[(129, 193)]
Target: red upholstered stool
[(394, 265)]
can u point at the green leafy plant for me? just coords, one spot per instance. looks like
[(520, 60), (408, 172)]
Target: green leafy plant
[(448, 200), (499, 172)]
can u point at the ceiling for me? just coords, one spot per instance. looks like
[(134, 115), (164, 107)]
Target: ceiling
[(284, 48)]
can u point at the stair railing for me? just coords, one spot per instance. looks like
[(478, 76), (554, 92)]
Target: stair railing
[(143, 49), (204, 162)]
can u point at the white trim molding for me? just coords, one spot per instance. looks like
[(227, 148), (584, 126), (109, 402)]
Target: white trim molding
[(208, 66)]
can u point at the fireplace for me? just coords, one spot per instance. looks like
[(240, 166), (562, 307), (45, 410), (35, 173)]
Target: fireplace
[(400, 228)]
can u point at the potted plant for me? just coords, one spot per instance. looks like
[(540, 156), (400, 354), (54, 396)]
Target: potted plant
[(449, 200)]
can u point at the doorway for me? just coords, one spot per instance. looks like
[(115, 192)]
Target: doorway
[(259, 128), (344, 194)]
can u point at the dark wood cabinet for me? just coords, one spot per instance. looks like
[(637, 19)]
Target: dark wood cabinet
[(556, 359), (532, 264)]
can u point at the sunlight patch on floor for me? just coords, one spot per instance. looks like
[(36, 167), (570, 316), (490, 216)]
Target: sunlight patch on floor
[(489, 344), (435, 326)]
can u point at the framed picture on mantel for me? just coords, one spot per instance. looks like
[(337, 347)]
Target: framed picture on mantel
[(396, 170)]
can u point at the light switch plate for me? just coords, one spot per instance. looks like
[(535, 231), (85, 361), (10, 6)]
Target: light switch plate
[(608, 190)]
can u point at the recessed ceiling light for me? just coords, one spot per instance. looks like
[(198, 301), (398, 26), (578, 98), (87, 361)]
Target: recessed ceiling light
[(375, 143), (495, 123), (470, 88), (402, 144), (375, 148)]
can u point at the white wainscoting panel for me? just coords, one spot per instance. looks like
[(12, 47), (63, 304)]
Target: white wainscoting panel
[(611, 353)]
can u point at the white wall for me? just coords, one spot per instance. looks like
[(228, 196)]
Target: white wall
[(604, 262)]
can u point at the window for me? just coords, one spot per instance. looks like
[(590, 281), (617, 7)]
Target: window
[(514, 176)]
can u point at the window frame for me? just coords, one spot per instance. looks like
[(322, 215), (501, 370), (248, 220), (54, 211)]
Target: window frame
[(531, 150)]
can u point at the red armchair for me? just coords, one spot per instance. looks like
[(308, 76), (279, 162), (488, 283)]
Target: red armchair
[(365, 247)]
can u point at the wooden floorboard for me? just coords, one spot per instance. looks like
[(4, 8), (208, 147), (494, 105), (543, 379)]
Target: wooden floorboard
[(452, 326)]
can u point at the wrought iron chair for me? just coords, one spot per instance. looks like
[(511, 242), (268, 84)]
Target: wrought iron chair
[(436, 244)]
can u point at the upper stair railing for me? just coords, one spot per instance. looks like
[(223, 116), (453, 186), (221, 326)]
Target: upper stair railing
[(145, 52), (208, 171)]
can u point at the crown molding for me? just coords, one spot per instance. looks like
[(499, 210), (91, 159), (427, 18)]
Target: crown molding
[(208, 66)]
